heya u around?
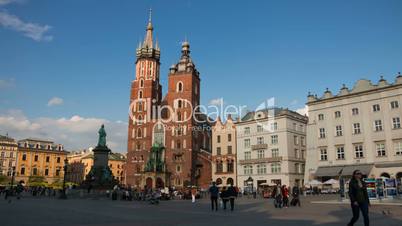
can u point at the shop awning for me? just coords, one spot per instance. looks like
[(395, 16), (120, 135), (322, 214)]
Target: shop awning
[(345, 170)]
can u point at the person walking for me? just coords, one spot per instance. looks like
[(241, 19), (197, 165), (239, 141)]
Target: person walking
[(231, 194), (277, 194), (193, 193), (296, 196), (285, 196), (214, 193), (358, 198), (224, 197)]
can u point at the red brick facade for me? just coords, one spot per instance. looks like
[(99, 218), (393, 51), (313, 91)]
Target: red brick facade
[(187, 141)]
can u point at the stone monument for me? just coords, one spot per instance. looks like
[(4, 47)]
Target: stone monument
[(100, 175)]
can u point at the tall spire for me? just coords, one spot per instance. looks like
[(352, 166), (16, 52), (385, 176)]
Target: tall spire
[(148, 37)]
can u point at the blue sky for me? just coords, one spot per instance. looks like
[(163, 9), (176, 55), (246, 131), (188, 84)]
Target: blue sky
[(246, 51)]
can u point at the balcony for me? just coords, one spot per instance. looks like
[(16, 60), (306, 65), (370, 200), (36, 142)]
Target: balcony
[(259, 146), (262, 160)]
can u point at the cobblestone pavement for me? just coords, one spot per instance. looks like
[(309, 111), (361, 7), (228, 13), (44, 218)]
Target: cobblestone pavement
[(54, 212)]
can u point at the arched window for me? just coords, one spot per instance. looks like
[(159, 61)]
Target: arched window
[(218, 181), (178, 144), (139, 133), (179, 87), (140, 94), (139, 120), (178, 116), (141, 83), (179, 103)]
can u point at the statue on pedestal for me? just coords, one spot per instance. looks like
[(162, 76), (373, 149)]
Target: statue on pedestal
[(102, 137)]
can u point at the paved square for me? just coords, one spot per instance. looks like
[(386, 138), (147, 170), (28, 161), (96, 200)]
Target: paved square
[(44, 211)]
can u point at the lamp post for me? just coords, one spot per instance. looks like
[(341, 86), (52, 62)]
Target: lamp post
[(63, 193)]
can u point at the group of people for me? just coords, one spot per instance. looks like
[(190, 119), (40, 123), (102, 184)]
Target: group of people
[(227, 194), (281, 195)]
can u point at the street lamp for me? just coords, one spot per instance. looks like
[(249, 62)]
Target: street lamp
[(63, 193)]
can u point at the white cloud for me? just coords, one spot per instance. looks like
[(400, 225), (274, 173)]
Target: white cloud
[(303, 111), (6, 2), (55, 101), (35, 31), (7, 83), (217, 101), (74, 133)]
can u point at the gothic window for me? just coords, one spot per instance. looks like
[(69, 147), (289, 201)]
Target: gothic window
[(139, 133), (179, 87), (141, 83), (179, 103), (178, 116), (159, 134), (140, 94), (178, 144), (139, 120)]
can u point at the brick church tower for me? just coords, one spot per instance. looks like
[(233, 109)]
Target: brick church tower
[(145, 95), (172, 124)]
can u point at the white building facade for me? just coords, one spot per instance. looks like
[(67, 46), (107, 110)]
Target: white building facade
[(271, 146), (359, 128)]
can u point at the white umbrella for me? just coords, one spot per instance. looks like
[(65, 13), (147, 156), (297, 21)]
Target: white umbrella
[(314, 183), (331, 182)]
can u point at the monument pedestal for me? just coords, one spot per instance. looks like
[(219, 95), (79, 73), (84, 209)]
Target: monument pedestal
[(100, 176)]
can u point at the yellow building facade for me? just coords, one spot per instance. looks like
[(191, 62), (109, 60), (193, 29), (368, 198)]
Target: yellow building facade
[(40, 159)]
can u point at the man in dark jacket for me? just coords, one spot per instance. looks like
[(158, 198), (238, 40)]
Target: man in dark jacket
[(358, 198), (214, 193), (232, 194)]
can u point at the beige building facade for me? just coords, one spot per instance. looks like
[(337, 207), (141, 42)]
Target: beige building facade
[(8, 155), (358, 128), (271, 146), (224, 152)]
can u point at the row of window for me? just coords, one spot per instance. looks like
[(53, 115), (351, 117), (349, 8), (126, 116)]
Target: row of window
[(36, 158), (260, 140), (4, 155), (229, 150), (35, 172), (229, 167), (359, 151), (356, 128), (261, 154), (229, 136), (262, 168), (355, 111)]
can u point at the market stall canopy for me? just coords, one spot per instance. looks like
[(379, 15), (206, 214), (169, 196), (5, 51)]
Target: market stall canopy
[(344, 170), (313, 183), (331, 182)]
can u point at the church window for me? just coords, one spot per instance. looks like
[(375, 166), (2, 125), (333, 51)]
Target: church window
[(179, 87)]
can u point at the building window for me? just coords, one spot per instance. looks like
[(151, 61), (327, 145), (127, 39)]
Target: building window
[(338, 131), (46, 172), (340, 153), (179, 87), (322, 133), (394, 104), (218, 138), (230, 149), (260, 128), (274, 126), (356, 128), (303, 141), (355, 111), (261, 169), (58, 159), (57, 172), (321, 117), (22, 171), (36, 158), (24, 157), (337, 114), (274, 139), (398, 147), (230, 166), (297, 155), (275, 152), (275, 167), (377, 125), (178, 168), (376, 107), (380, 148), (139, 133), (246, 143), (261, 154), (229, 137), (141, 83), (260, 140), (218, 150), (178, 145), (359, 151), (323, 154), (140, 94), (396, 123), (47, 158), (296, 140), (247, 155), (35, 171), (297, 167), (248, 169), (294, 126), (247, 130), (301, 128)]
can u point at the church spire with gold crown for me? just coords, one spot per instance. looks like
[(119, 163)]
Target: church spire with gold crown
[(147, 48)]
